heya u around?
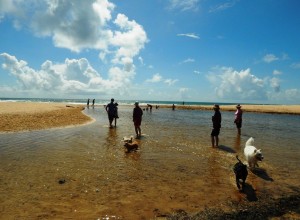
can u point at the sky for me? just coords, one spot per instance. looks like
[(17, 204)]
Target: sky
[(236, 51)]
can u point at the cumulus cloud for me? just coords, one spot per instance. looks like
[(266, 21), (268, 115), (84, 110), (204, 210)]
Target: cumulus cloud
[(74, 76), (239, 85), (191, 35), (184, 5), (77, 26)]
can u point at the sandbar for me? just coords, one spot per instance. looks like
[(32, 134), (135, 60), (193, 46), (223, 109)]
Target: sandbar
[(28, 116), (273, 109)]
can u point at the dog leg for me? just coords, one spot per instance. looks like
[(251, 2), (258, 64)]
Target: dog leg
[(237, 183)]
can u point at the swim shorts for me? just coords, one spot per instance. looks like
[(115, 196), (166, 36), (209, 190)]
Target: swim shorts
[(215, 132)]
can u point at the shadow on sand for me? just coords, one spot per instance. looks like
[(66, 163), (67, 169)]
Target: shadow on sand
[(226, 149), (250, 193), (262, 173)]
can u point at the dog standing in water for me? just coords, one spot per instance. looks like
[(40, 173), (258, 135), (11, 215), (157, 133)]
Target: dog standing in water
[(252, 154), (130, 145), (241, 173)]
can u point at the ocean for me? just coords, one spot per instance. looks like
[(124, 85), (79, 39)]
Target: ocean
[(104, 102), (84, 172)]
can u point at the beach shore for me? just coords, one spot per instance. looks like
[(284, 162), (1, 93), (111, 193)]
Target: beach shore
[(274, 109), (27, 116)]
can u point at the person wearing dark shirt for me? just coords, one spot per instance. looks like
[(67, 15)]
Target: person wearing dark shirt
[(216, 120), (137, 119), (111, 111)]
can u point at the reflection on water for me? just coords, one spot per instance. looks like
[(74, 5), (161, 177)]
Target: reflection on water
[(174, 168)]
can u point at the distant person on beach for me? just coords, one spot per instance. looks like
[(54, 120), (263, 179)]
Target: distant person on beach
[(150, 106), (88, 103), (110, 109), (137, 119), (173, 107), (93, 103), (216, 120), (116, 115), (238, 118)]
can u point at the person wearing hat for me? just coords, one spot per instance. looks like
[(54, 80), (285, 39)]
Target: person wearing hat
[(238, 118), (216, 120), (111, 110), (137, 119)]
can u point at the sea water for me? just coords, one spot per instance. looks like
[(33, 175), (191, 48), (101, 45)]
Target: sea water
[(175, 167)]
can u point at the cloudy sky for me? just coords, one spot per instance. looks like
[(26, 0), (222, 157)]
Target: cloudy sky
[(192, 50)]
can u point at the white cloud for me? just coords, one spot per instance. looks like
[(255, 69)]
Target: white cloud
[(191, 35), (235, 85), (188, 60), (155, 78), (222, 7), (184, 5), (243, 86), (71, 77), (197, 72), (184, 93), (275, 84), (277, 72), (296, 65), (77, 25), (170, 81), (158, 78), (269, 58), (141, 60)]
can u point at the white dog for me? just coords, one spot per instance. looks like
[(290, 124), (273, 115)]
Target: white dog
[(252, 154)]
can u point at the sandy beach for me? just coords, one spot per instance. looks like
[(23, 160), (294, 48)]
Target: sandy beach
[(26, 116), (273, 109)]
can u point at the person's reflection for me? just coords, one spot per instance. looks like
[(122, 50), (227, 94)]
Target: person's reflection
[(237, 143), (112, 138)]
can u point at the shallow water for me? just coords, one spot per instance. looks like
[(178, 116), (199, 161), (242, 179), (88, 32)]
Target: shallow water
[(175, 167)]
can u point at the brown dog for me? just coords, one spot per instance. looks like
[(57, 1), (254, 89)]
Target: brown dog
[(130, 144)]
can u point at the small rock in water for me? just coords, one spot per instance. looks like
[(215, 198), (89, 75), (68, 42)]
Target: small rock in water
[(61, 181)]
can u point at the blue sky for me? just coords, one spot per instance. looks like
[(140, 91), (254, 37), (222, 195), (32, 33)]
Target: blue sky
[(165, 50)]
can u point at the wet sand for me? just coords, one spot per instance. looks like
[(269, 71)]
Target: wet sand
[(19, 116)]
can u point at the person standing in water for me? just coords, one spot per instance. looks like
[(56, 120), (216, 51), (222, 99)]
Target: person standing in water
[(137, 119), (88, 103), (238, 118), (216, 120), (93, 104), (116, 115), (110, 109)]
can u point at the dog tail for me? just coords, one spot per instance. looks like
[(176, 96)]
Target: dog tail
[(250, 142), (237, 157)]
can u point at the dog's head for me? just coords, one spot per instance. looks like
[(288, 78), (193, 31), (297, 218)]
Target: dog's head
[(128, 139), (258, 154)]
